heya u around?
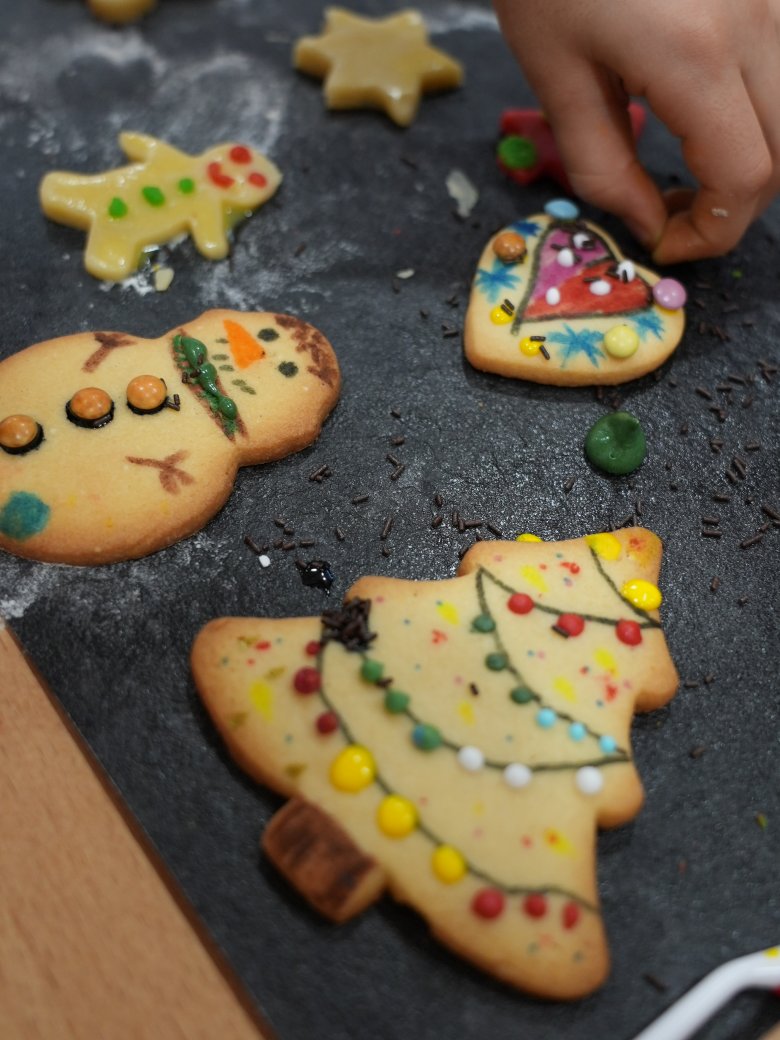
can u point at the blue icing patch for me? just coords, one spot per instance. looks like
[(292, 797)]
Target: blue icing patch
[(562, 209), (23, 515)]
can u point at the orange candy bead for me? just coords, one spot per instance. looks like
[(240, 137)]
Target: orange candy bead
[(90, 405), (510, 247), (18, 432), (146, 393)]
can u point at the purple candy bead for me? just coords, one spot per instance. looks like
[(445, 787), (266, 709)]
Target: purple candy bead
[(668, 293)]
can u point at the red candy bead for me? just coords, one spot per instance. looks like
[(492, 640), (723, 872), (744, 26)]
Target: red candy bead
[(571, 624), (216, 176), (519, 603), (488, 903), (328, 722), (306, 680), (257, 179), (628, 632), (240, 154), (571, 915), (535, 905), (313, 648)]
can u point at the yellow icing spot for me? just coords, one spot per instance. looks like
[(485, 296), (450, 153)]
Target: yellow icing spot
[(558, 842), (530, 347), (396, 816), (352, 769), (448, 864), (261, 697), (449, 612), (500, 317), (527, 537), (565, 688), (466, 712), (642, 594), (534, 577), (605, 660), (605, 545), (478, 808)]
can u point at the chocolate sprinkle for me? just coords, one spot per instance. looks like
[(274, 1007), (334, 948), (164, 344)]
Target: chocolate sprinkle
[(359, 499), (397, 441), (251, 544), (569, 484), (437, 521), (339, 534), (752, 540), (495, 530), (715, 584), (387, 528), (348, 625), (711, 532)]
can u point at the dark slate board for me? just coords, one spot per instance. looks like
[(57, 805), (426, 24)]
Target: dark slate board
[(368, 200)]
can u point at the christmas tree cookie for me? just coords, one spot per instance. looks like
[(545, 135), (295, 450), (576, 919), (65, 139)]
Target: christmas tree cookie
[(162, 194), (554, 301), (112, 446), (457, 743)]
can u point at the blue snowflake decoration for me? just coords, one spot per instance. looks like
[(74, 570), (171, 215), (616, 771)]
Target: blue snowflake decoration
[(526, 228), (495, 281), (574, 342), (649, 322)]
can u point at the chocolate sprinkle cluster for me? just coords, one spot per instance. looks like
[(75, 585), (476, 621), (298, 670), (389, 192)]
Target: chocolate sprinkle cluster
[(348, 625)]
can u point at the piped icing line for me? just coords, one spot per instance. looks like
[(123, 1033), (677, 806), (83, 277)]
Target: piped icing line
[(435, 839), (200, 376)]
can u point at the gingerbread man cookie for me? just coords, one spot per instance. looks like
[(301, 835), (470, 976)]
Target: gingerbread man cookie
[(457, 742), (120, 11), (113, 446), (162, 194), (382, 63), (554, 301)]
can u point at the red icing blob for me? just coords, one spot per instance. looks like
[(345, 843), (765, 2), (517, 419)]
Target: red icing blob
[(577, 301), (535, 905), (570, 915), (629, 632), (306, 680), (313, 648), (488, 903), (257, 179), (328, 722), (572, 624), (216, 176), (519, 603), (240, 154)]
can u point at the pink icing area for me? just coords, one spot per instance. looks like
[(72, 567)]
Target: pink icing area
[(551, 274)]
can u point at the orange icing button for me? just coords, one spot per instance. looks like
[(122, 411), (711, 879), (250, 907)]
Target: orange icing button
[(243, 345), (18, 431), (90, 405), (146, 393)]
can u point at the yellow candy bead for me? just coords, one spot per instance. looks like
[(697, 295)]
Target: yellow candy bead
[(448, 864), (500, 317), (530, 347), (621, 341), (396, 816), (642, 594), (353, 769), (528, 538), (605, 545)]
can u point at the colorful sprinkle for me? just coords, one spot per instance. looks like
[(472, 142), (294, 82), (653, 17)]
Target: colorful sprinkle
[(327, 722), (520, 603), (535, 904), (483, 623), (371, 671), (117, 208), (577, 731), (589, 780), (608, 745), (153, 195), (186, 185), (628, 632), (353, 769), (396, 702), (521, 695), (239, 153), (517, 775), (471, 758), (396, 816), (570, 915), (426, 737), (562, 209), (496, 661), (546, 718), (488, 903), (570, 624), (621, 341), (642, 594), (448, 864), (306, 681), (605, 545), (669, 294), (616, 443)]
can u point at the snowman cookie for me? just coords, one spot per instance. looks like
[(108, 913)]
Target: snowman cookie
[(120, 11), (162, 194), (457, 743), (554, 301), (112, 446)]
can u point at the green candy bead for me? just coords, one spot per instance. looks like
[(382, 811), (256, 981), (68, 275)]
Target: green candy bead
[(520, 695), (483, 623), (496, 662), (517, 153), (371, 671), (396, 702), (425, 737), (616, 444)]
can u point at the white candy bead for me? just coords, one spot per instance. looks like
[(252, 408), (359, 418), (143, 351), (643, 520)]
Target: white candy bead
[(626, 271), (471, 759), (566, 257), (517, 775), (601, 287), (553, 296), (589, 780), (582, 240)]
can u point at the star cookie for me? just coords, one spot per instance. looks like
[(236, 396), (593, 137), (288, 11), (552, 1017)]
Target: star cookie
[(382, 63)]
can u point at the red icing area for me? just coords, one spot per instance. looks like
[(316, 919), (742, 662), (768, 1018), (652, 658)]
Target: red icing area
[(572, 568), (438, 637), (216, 176), (306, 680), (578, 301), (240, 154), (257, 179)]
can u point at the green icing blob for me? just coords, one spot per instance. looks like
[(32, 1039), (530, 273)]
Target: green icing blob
[(153, 195), (616, 444), (117, 208), (517, 153), (186, 185), (288, 368), (23, 515)]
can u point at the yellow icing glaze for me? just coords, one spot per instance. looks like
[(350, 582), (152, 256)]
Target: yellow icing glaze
[(384, 63), (466, 712), (162, 194), (500, 317), (448, 864), (120, 10), (605, 660), (449, 612), (352, 769), (529, 347), (261, 696), (565, 688), (532, 574), (396, 816), (558, 842), (642, 594), (605, 545)]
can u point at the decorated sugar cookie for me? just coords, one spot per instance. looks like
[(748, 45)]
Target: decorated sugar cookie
[(382, 63), (457, 743), (120, 10), (554, 301), (162, 194), (112, 446)]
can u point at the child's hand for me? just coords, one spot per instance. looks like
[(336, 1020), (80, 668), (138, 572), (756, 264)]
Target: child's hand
[(709, 69)]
